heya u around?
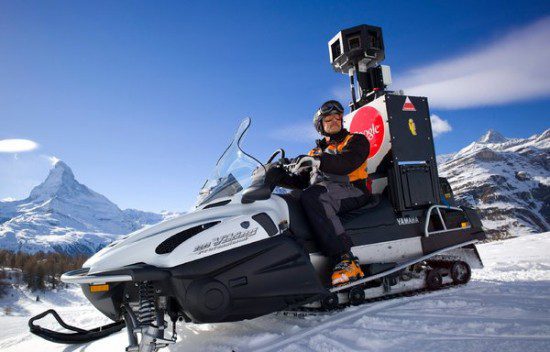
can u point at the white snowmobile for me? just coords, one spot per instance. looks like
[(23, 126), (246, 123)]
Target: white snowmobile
[(246, 251)]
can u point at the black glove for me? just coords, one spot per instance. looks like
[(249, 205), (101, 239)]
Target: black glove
[(305, 163), (282, 162)]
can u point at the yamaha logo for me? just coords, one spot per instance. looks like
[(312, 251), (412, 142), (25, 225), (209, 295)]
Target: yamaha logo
[(407, 221)]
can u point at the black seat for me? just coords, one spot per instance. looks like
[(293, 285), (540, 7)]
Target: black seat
[(377, 212)]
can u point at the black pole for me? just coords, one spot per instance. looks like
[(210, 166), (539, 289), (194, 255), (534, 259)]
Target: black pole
[(352, 86)]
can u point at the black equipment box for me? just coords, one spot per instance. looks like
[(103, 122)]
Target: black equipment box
[(412, 176)]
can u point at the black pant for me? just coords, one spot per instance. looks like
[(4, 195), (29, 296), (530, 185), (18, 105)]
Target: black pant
[(323, 202)]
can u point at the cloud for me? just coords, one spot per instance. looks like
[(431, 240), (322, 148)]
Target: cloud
[(510, 69), (54, 160), (17, 145), (439, 126), (295, 133)]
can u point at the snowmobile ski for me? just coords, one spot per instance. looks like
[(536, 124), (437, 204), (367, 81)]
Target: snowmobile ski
[(78, 336)]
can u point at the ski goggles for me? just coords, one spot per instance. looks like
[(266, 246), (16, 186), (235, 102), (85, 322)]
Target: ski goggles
[(330, 107)]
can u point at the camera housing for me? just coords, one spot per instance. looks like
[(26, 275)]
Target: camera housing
[(357, 48)]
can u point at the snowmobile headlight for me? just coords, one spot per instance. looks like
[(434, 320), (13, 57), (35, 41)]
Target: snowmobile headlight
[(99, 288)]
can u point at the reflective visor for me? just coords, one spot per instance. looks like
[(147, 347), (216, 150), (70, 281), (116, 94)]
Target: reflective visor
[(330, 107)]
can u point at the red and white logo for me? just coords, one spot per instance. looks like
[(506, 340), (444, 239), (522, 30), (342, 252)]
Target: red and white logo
[(408, 106), (368, 122)]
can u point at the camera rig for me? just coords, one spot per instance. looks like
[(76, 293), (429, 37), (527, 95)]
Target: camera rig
[(357, 52)]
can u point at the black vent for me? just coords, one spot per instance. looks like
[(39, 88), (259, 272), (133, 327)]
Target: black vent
[(218, 204), (265, 221), (171, 243)]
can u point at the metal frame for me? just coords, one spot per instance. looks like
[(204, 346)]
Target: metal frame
[(437, 207), (80, 277)]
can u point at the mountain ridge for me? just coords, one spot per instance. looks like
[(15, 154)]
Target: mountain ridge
[(63, 215), (506, 179)]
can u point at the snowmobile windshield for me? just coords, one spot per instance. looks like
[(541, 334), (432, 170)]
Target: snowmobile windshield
[(233, 171)]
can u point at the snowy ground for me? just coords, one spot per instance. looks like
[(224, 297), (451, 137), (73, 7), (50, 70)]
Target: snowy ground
[(506, 307)]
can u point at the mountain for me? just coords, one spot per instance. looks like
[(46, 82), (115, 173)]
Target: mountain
[(64, 215), (507, 180)]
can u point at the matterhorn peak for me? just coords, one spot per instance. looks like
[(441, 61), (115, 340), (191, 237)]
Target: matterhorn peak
[(60, 177), (492, 136), (60, 166)]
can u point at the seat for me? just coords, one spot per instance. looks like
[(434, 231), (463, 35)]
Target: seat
[(377, 212)]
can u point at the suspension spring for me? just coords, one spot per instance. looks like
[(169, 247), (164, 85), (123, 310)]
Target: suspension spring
[(146, 312)]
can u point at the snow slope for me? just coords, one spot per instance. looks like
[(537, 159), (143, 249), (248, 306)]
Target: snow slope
[(506, 307)]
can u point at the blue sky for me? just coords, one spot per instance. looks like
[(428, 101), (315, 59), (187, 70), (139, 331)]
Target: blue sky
[(140, 98)]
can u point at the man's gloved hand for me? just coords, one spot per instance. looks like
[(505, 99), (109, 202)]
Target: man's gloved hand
[(282, 162), (305, 163)]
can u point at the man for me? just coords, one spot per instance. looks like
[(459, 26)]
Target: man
[(339, 186)]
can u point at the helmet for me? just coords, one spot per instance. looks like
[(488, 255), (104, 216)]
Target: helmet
[(328, 107)]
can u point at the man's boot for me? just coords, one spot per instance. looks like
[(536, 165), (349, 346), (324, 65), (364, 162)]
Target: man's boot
[(346, 270)]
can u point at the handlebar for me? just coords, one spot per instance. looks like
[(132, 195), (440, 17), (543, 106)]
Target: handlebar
[(275, 153)]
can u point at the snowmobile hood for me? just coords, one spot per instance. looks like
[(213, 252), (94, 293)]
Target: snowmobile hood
[(230, 219)]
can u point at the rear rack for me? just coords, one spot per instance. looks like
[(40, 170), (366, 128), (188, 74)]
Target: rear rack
[(437, 207)]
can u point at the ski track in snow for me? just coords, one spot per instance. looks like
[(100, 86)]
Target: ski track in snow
[(506, 307)]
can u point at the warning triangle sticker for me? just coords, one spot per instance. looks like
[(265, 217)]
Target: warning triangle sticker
[(408, 106)]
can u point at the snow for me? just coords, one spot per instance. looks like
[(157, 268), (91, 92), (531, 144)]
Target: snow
[(506, 307), (64, 215), (505, 179), (492, 136)]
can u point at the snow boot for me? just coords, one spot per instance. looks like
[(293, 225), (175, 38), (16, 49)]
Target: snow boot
[(346, 270)]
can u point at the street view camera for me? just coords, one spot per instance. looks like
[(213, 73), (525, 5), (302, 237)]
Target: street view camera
[(358, 52)]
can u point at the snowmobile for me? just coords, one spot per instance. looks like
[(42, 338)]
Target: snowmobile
[(247, 250)]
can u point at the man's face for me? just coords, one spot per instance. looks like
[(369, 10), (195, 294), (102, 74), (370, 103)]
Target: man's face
[(332, 123)]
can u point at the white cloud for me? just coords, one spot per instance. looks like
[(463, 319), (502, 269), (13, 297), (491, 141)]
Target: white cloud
[(54, 160), (17, 145), (296, 133), (510, 69), (439, 126)]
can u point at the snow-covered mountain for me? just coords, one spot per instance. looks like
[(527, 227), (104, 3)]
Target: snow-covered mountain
[(507, 180), (64, 215)]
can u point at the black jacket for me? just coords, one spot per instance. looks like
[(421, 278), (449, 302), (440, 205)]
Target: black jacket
[(350, 158)]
